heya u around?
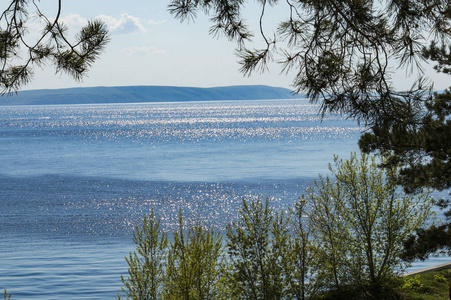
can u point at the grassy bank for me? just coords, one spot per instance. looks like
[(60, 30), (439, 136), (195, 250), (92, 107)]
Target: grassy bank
[(427, 286)]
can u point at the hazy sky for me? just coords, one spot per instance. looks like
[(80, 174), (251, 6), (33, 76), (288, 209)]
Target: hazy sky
[(149, 47)]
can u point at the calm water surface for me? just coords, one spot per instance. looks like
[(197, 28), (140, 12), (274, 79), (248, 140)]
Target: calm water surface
[(75, 179)]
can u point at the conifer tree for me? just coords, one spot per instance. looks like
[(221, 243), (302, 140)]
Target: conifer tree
[(20, 53)]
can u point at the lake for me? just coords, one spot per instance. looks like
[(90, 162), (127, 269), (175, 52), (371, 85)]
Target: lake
[(75, 179)]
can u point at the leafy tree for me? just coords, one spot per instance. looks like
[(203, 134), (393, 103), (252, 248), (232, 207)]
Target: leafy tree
[(191, 267), (360, 220), (20, 53), (255, 244), (146, 265), (304, 272), (194, 264)]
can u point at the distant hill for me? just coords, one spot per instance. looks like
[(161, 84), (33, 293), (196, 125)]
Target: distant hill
[(136, 94)]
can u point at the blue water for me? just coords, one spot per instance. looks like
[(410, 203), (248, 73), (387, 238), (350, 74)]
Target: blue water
[(75, 179)]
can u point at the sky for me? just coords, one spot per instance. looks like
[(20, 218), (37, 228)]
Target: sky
[(149, 47)]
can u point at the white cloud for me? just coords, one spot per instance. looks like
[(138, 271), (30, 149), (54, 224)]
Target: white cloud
[(125, 24), (74, 20), (143, 51)]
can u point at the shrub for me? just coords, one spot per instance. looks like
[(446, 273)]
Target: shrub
[(440, 278), (412, 283)]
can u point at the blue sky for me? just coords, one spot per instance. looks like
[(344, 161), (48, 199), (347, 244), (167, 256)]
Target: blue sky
[(149, 47)]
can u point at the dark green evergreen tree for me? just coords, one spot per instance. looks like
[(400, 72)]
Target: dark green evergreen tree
[(421, 141), (20, 53), (422, 146)]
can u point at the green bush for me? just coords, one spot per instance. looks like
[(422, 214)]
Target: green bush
[(412, 283), (440, 278)]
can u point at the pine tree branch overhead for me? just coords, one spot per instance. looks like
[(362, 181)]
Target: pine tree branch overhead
[(20, 54)]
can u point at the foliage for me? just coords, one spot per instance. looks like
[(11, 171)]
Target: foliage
[(423, 149), (194, 264), (272, 255), (20, 52), (342, 240), (342, 51), (421, 144), (304, 271), (147, 262), (256, 248), (433, 240), (440, 278), (412, 283), (188, 268), (360, 220), (440, 54), (269, 256), (425, 286)]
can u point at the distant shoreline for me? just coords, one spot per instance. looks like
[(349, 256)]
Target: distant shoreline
[(145, 94)]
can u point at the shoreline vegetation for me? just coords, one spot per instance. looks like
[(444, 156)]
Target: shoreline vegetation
[(430, 285), (342, 240)]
